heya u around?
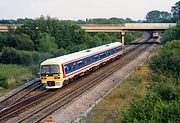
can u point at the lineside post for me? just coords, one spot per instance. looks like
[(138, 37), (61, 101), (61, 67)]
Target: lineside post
[(122, 38)]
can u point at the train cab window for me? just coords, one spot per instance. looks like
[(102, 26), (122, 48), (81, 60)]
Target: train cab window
[(49, 70)]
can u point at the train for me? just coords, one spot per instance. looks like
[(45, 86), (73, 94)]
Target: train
[(155, 34), (59, 71)]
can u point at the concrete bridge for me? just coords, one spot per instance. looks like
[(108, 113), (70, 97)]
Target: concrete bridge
[(122, 28), (127, 27)]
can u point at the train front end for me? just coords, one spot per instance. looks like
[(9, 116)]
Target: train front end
[(50, 75)]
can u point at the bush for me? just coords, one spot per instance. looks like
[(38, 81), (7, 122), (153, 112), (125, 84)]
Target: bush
[(3, 82), (21, 42), (167, 62), (35, 56), (13, 56), (152, 109), (9, 56), (25, 57)]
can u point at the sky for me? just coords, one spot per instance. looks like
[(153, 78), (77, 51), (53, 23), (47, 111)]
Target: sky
[(82, 9)]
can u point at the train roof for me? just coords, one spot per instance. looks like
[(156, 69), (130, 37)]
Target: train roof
[(77, 55)]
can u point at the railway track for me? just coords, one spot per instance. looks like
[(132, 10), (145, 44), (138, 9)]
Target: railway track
[(51, 101), (20, 94)]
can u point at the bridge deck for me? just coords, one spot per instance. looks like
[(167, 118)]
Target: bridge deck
[(127, 27)]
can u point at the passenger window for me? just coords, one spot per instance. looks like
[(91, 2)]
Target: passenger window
[(70, 67), (80, 63), (96, 57), (74, 66), (88, 60)]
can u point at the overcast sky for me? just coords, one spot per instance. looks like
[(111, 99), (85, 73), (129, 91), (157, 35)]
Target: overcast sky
[(82, 9)]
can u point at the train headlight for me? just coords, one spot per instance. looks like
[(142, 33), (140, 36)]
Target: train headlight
[(43, 77), (56, 77)]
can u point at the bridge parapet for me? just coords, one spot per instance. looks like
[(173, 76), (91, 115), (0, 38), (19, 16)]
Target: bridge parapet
[(126, 27), (149, 25)]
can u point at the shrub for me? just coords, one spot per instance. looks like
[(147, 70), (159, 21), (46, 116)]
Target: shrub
[(152, 109), (35, 56), (9, 56), (13, 56), (25, 57), (21, 42), (3, 82), (167, 63)]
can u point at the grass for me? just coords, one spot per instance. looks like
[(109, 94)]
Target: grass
[(15, 75), (110, 108)]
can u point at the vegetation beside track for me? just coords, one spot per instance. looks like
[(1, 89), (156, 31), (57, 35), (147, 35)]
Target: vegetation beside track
[(110, 107), (12, 76)]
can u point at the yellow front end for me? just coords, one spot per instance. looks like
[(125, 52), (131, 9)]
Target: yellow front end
[(51, 75)]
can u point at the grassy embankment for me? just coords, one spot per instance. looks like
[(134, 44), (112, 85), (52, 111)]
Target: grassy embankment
[(110, 107), (12, 76)]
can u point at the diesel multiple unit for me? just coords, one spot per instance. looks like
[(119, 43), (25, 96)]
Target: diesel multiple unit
[(57, 71)]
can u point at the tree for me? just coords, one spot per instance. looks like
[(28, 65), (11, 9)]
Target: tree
[(3, 38), (47, 43), (20, 41), (176, 12), (172, 34), (105, 38), (157, 16)]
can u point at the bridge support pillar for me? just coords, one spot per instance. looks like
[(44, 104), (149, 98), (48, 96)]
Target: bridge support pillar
[(122, 38)]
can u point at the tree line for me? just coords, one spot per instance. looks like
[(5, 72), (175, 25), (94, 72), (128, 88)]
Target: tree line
[(157, 16)]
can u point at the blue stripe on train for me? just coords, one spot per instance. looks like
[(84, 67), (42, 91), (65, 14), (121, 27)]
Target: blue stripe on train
[(76, 65)]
